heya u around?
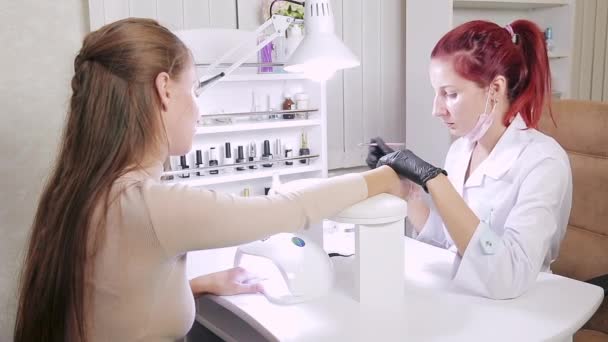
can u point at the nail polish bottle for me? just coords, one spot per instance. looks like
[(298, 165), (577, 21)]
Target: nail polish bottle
[(278, 149), (246, 192), (184, 166), (228, 156), (252, 155), (240, 158), (199, 161), (267, 155), (304, 150), (288, 154), (213, 160)]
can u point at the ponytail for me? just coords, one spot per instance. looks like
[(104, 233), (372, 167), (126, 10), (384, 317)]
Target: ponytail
[(536, 85)]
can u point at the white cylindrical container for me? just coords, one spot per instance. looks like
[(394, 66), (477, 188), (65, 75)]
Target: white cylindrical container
[(378, 274), (301, 100)]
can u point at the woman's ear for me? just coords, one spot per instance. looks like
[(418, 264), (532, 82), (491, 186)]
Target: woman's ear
[(162, 88), (498, 87)]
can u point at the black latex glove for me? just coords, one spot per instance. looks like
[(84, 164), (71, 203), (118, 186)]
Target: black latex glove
[(377, 152), (410, 166)]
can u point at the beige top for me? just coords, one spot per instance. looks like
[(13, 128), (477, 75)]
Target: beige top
[(139, 288)]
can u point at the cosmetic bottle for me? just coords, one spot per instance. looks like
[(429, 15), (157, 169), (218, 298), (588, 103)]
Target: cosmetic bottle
[(199, 161), (240, 158), (278, 150), (288, 104), (267, 155), (246, 192), (304, 150), (288, 154), (183, 163), (228, 156), (252, 155), (213, 160)]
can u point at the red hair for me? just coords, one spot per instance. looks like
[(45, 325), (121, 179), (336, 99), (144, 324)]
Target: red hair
[(481, 50)]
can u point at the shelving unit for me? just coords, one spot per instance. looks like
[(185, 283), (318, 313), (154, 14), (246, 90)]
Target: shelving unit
[(245, 108), (557, 14), (240, 176), (216, 129)]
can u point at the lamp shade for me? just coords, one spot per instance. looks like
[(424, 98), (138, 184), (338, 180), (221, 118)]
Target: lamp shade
[(321, 52)]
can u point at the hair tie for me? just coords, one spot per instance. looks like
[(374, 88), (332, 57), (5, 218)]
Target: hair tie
[(514, 36)]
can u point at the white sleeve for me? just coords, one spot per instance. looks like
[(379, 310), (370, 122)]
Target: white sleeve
[(503, 267)]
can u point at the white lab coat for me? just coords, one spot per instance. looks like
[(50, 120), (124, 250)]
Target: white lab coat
[(522, 194)]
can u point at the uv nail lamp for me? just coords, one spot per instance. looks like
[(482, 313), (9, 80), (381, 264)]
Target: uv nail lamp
[(294, 269)]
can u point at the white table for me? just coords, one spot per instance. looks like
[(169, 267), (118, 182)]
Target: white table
[(433, 310)]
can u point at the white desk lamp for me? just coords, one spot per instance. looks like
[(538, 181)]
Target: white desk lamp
[(304, 266), (320, 54)]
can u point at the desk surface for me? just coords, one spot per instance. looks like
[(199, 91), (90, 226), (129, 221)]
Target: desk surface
[(433, 310)]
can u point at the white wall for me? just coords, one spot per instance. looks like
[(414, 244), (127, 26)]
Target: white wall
[(39, 41), (426, 22)]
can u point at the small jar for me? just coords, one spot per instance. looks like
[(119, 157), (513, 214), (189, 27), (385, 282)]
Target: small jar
[(302, 101), (288, 104)]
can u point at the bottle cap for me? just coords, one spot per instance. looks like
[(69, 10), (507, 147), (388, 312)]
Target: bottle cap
[(227, 150), (199, 157), (240, 154)]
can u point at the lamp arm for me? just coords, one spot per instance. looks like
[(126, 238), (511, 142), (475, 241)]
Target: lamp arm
[(301, 3), (280, 24), (230, 52)]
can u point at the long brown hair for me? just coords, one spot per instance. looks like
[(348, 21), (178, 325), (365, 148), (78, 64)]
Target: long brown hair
[(114, 120)]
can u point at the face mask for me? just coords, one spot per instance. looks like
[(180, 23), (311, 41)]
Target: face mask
[(483, 123)]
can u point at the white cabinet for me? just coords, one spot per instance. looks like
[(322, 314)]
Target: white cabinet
[(557, 14), (244, 111)]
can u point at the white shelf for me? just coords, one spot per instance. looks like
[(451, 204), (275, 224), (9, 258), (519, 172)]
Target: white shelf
[(508, 4), (257, 126), (238, 176)]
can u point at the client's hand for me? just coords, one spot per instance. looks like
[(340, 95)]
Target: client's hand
[(225, 283)]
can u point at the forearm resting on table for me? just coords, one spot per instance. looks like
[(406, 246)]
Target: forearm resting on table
[(460, 221)]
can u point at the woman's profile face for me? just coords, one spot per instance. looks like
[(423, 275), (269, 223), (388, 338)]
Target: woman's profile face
[(458, 102), (182, 111)]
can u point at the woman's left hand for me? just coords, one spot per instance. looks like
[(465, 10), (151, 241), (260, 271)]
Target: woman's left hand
[(226, 283)]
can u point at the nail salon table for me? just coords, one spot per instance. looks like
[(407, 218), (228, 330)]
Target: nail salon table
[(432, 310)]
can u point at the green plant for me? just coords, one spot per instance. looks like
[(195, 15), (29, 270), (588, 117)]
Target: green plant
[(294, 11)]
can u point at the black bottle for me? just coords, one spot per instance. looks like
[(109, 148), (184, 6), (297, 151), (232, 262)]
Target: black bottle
[(267, 155), (199, 161), (184, 165)]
